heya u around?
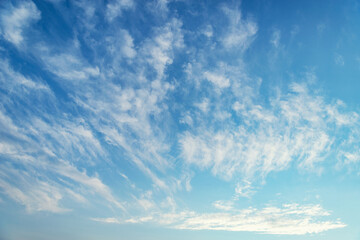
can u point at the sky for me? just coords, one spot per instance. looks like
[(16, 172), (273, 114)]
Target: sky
[(179, 119)]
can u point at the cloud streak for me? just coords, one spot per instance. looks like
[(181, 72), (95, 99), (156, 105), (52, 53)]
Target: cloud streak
[(297, 127), (289, 219), (15, 19)]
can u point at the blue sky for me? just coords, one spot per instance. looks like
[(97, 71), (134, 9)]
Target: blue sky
[(179, 119)]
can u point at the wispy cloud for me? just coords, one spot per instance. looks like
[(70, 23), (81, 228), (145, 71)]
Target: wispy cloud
[(19, 82), (240, 32), (106, 220), (275, 38), (15, 19), (289, 219), (118, 114), (127, 116), (38, 144), (297, 127), (244, 189), (224, 205), (67, 65), (217, 80), (36, 195), (114, 8)]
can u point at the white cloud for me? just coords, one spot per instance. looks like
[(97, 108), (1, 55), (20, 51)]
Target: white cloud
[(187, 120), (353, 157), (16, 19), (34, 194), (218, 80), (159, 51), (297, 127), (39, 159), (127, 112), (68, 66), (289, 219), (341, 118), (349, 154), (162, 4), (93, 183), (8, 124), (45, 195), (63, 135), (208, 31), (196, 151), (116, 7), (89, 9), (76, 196), (224, 205), (129, 116), (240, 32), (230, 131), (13, 81), (128, 47), (158, 7), (38, 146), (105, 220), (120, 48), (244, 189), (203, 105)]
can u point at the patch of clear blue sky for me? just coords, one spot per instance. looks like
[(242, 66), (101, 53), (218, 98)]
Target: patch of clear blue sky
[(308, 42)]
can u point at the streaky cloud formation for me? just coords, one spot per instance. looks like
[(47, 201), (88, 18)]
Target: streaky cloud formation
[(17, 18), (177, 116), (289, 219)]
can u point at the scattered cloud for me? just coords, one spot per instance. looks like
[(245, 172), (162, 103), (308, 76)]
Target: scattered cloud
[(298, 127), (15, 19), (35, 195), (19, 82), (275, 38), (114, 8), (203, 105), (244, 189), (240, 31), (123, 41), (105, 220), (217, 80), (289, 219), (120, 103), (224, 205), (68, 66), (208, 31), (93, 183)]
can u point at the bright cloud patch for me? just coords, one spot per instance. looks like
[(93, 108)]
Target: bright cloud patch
[(217, 80), (290, 219), (16, 18), (297, 127)]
